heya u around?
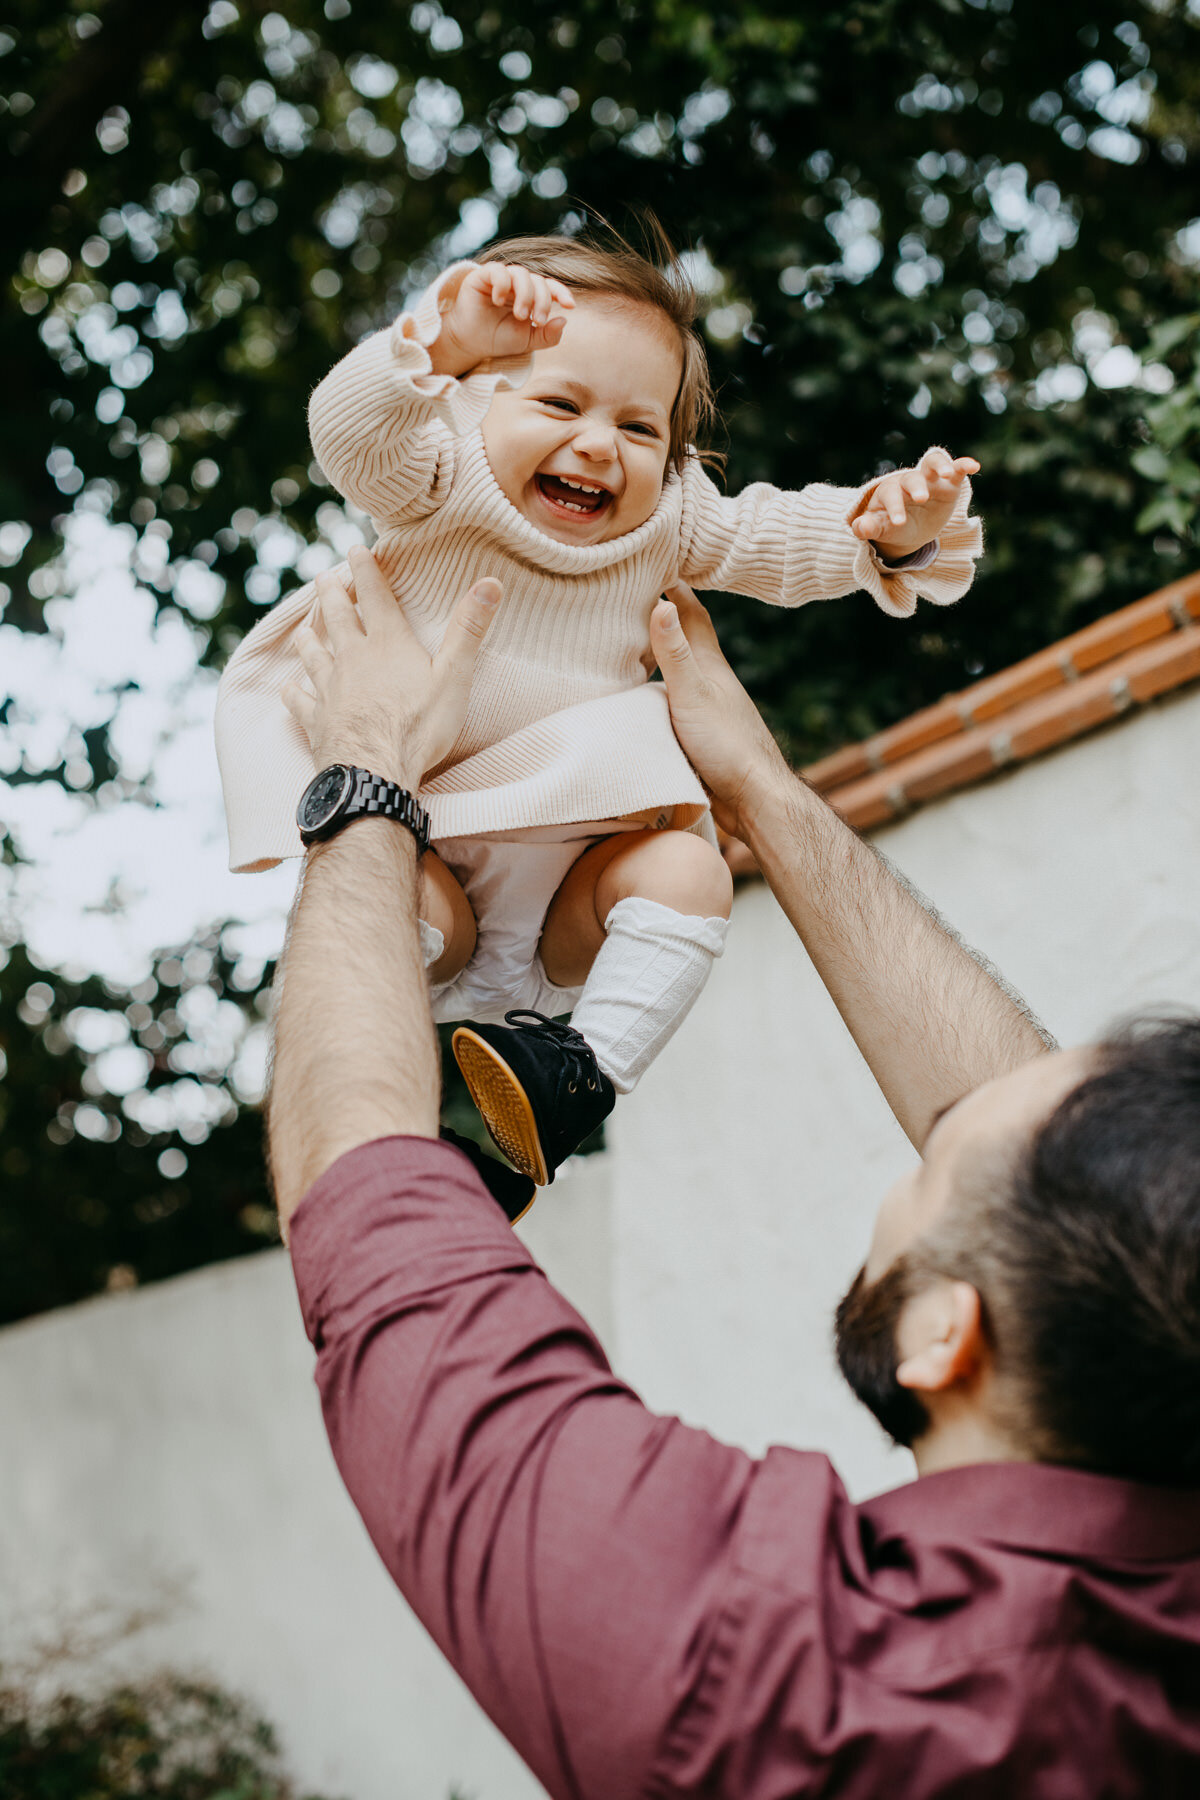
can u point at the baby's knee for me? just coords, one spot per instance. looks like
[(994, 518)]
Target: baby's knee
[(679, 870), (705, 872), (446, 908)]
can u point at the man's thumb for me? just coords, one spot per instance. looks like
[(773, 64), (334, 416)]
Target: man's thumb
[(468, 626), (487, 592), (478, 609), (667, 636)]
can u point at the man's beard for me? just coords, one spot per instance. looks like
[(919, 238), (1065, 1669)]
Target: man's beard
[(865, 1337)]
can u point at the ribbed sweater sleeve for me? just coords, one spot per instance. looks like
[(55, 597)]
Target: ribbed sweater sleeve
[(384, 426), (788, 548)]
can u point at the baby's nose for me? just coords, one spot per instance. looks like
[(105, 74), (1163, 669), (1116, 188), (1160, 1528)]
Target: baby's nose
[(597, 440)]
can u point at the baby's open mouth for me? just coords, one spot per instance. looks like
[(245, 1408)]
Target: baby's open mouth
[(565, 495)]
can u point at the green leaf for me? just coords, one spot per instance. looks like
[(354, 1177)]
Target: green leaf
[(1165, 337), (1175, 419), (1171, 510), (1153, 462), (1184, 475)]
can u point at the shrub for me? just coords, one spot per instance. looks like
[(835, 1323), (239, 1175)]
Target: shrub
[(169, 1738)]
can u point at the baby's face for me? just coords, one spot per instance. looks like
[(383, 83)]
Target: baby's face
[(581, 449)]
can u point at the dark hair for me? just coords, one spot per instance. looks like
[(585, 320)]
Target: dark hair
[(1088, 1266), (608, 265), (868, 1317)]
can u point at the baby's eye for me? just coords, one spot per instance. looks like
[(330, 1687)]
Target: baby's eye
[(640, 427), (564, 405)]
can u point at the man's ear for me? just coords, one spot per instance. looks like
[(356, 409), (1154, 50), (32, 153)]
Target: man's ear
[(941, 1337)]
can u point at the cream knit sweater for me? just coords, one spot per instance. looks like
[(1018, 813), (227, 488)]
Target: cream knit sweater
[(562, 726)]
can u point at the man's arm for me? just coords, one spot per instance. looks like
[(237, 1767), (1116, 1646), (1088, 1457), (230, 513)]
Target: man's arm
[(346, 1073), (568, 1551), (931, 1018), (355, 1053)]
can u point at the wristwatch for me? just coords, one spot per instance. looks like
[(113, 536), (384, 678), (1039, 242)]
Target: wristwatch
[(341, 793)]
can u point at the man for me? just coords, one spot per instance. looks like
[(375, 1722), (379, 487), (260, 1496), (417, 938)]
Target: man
[(644, 1611)]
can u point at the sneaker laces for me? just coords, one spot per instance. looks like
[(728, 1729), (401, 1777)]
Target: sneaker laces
[(580, 1058)]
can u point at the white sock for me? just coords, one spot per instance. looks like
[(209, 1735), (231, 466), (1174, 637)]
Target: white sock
[(432, 943), (648, 975)]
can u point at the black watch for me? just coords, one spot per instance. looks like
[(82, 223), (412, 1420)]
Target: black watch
[(341, 793)]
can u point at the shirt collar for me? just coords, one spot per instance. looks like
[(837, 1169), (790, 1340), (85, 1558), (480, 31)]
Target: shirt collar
[(1043, 1506)]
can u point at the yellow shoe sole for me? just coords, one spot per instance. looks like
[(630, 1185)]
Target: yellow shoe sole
[(502, 1103)]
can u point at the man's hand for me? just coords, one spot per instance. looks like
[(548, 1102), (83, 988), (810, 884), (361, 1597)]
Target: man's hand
[(931, 1022), (501, 309), (908, 509), (377, 698), (715, 719)]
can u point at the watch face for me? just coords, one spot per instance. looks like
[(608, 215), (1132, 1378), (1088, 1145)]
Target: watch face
[(321, 799)]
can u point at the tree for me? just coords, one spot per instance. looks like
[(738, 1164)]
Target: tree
[(965, 222), (167, 1738), (112, 1173)]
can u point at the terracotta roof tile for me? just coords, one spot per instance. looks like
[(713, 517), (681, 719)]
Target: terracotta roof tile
[(1061, 665), (1082, 682)]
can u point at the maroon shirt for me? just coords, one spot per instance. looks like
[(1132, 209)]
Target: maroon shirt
[(644, 1611)]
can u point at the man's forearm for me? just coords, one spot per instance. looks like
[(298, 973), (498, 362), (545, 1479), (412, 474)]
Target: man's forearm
[(355, 1052), (931, 1019)]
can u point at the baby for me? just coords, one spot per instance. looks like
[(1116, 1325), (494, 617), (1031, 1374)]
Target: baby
[(534, 419)]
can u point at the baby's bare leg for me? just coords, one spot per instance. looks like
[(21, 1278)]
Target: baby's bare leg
[(445, 906), (674, 868), (640, 920)]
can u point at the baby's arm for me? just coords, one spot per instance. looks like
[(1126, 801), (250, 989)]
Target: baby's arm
[(499, 310), (383, 421), (822, 542)]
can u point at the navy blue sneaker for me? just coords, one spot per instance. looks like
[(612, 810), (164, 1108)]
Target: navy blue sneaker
[(538, 1087)]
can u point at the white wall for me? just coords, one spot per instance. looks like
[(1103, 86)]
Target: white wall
[(167, 1497), (163, 1462)]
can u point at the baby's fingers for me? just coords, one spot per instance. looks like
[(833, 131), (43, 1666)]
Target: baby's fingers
[(936, 464), (543, 300), (871, 524), (523, 293), (889, 499), (915, 486), (940, 465), (946, 489), (500, 285), (544, 337)]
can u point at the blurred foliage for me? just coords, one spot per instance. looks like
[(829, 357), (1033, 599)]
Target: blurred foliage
[(102, 1188), (166, 1739), (962, 222), (1171, 460)]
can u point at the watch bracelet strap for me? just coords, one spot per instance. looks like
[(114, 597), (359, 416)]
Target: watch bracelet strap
[(375, 794)]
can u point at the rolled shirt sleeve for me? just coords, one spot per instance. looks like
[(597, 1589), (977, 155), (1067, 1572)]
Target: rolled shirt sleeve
[(567, 1549)]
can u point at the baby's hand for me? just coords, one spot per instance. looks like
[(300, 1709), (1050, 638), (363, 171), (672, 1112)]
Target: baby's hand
[(501, 309), (906, 510)]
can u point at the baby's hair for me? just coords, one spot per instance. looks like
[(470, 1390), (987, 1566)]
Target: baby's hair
[(609, 265)]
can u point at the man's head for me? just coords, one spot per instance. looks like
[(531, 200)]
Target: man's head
[(1038, 1278)]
